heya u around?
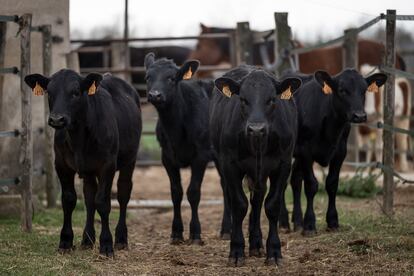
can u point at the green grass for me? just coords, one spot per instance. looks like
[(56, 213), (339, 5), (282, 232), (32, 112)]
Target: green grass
[(36, 253)]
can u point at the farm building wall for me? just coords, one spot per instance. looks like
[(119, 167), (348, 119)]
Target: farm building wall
[(56, 13)]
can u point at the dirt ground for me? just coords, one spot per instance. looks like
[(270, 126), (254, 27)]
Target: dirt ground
[(326, 253)]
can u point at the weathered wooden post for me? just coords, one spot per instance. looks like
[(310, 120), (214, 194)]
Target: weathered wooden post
[(232, 48), (244, 44), (26, 149), (388, 105), (51, 179), (126, 54), (120, 61), (282, 39), (3, 28), (72, 61), (350, 60)]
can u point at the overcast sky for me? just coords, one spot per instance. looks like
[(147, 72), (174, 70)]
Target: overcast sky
[(309, 19)]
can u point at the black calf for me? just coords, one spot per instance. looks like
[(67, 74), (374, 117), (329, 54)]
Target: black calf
[(326, 107), (253, 129), (98, 128), (182, 131)]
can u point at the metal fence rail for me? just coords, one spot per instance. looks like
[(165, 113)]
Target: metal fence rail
[(11, 133), (10, 70)]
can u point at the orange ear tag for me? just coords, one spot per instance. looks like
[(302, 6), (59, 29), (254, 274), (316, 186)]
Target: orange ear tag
[(373, 87), (286, 95), (188, 74), (326, 89), (226, 91), (38, 90), (92, 89)]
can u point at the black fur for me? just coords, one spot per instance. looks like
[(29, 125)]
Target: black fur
[(253, 133), (324, 125), (95, 136), (182, 131)]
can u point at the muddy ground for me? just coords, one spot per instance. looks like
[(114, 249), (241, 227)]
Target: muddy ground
[(367, 242)]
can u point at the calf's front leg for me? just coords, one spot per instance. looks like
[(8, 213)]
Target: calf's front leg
[(103, 206), (272, 208), (66, 178), (239, 204), (176, 196)]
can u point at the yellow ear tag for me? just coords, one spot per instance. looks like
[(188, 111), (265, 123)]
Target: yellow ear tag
[(286, 95), (92, 89), (38, 90), (226, 91), (188, 74), (373, 87), (326, 89)]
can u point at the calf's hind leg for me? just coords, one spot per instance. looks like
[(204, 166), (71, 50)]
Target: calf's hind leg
[(124, 194)]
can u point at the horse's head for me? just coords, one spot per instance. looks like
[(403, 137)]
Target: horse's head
[(212, 51)]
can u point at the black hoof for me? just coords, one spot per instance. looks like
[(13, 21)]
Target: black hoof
[(86, 246), (196, 242), (176, 241), (235, 262), (121, 246), (284, 229), (225, 236), (273, 261), (332, 229), (297, 228), (64, 251), (107, 251), (309, 233), (256, 252)]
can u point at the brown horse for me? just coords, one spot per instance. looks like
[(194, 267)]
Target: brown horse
[(216, 51)]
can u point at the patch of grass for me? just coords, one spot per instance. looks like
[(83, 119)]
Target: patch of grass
[(36, 253), (359, 185), (364, 232)]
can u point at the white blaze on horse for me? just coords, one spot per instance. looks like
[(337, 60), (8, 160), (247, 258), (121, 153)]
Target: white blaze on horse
[(372, 138)]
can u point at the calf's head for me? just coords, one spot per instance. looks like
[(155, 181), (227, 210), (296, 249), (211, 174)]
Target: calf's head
[(258, 94), (348, 92), (64, 90), (163, 77)]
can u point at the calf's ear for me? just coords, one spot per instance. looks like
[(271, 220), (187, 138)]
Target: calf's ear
[(375, 82), (37, 82), (187, 70), (325, 81), (287, 87), (91, 82), (227, 86), (149, 60)]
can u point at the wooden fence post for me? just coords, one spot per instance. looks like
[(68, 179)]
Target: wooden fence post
[(388, 105), (72, 61), (244, 42), (120, 61), (26, 149), (282, 40), (350, 60), (3, 29), (51, 179)]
